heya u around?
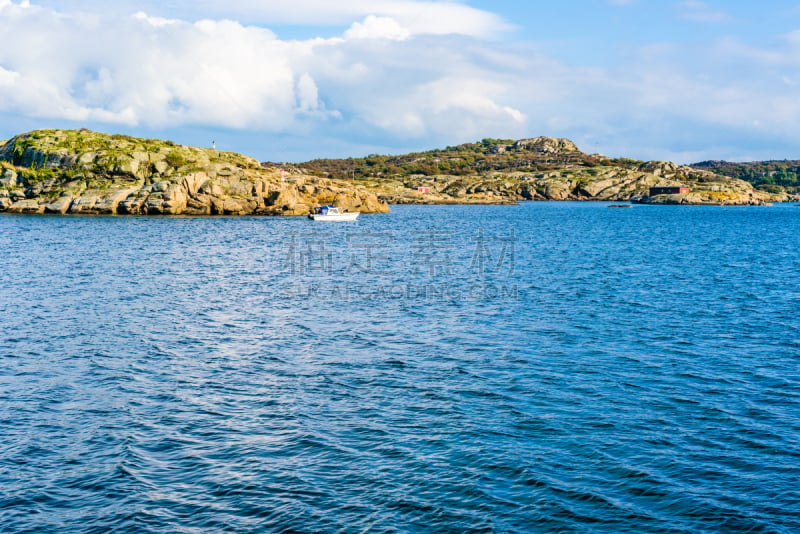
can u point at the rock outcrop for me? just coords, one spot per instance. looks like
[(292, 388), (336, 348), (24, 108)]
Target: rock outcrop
[(569, 175), (540, 168), (83, 172), (603, 183), (546, 144)]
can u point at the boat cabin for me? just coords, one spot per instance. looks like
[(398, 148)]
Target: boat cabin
[(327, 210)]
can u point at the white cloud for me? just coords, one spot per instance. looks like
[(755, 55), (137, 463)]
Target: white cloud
[(473, 97), (147, 70), (377, 28), (418, 16), (381, 82), (161, 73), (8, 78), (444, 106), (155, 21)]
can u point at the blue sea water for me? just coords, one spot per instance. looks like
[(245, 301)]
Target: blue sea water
[(546, 367)]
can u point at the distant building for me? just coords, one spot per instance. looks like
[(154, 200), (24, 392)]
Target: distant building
[(423, 189), (669, 190)]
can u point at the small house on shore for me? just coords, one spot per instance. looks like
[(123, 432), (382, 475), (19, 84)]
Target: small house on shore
[(423, 189), (669, 190)]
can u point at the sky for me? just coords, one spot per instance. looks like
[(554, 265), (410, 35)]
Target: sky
[(677, 80)]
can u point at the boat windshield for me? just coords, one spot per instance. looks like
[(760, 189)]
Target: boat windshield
[(328, 210)]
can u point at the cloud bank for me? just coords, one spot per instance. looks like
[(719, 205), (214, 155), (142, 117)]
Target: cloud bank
[(392, 79), (145, 70)]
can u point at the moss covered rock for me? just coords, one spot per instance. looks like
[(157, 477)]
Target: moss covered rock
[(80, 171)]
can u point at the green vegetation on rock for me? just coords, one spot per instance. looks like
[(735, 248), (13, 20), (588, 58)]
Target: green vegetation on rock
[(542, 168), (771, 176), (80, 171)]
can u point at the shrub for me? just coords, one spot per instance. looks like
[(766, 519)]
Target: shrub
[(175, 158)]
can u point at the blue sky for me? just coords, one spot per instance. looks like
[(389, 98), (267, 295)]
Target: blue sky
[(680, 80)]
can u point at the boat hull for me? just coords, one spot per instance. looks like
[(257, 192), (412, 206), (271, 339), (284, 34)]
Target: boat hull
[(339, 217)]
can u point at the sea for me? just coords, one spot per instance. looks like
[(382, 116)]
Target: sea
[(544, 367)]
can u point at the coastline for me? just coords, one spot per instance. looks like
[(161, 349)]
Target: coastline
[(80, 172), (466, 203)]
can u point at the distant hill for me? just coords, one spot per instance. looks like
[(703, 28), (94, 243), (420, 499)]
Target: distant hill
[(539, 154), (770, 175), (541, 168)]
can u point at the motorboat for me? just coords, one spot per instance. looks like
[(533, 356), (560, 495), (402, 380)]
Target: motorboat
[(332, 213)]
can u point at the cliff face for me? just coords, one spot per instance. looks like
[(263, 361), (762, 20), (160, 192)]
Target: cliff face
[(83, 172)]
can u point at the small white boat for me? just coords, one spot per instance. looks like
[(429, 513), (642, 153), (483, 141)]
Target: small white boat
[(332, 213)]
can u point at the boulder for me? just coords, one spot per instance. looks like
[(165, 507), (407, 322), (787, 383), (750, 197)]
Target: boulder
[(160, 167), (199, 205), (28, 205), (87, 157), (134, 203), (665, 169), (60, 205), (84, 204), (556, 190), (127, 166), (192, 183), (169, 200), (546, 145), (9, 179), (108, 203), (236, 206)]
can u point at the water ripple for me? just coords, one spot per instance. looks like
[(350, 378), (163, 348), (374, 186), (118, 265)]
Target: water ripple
[(176, 375)]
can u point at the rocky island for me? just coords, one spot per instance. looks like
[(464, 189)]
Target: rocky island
[(85, 172), (541, 168)]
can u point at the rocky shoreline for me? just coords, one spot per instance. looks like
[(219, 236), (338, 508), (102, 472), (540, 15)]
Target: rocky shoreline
[(689, 200), (84, 172)]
